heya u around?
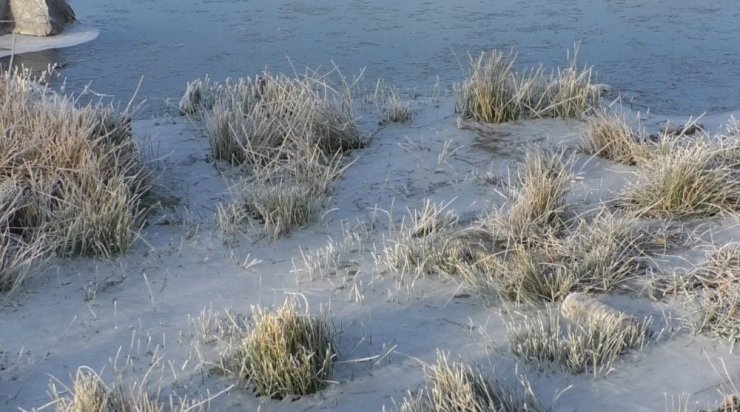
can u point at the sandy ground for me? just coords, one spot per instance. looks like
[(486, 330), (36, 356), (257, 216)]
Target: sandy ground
[(123, 316), (73, 35)]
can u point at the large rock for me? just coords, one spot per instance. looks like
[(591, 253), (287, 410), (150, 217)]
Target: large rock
[(40, 17)]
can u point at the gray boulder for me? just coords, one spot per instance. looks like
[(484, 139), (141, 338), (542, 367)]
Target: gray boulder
[(37, 17)]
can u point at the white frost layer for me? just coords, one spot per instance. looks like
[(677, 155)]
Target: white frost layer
[(72, 36)]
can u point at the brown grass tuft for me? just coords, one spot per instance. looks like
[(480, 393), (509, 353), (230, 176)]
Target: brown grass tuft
[(389, 106), (285, 353), (424, 244), (590, 345), (537, 200), (70, 178), (607, 134), (90, 393), (717, 301), (456, 387), (683, 179), (495, 93), (593, 255), (287, 136), (530, 252)]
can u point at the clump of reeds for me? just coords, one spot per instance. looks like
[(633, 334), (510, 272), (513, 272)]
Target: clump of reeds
[(732, 127), (592, 344), (424, 244), (263, 119), (525, 233), (684, 402), (718, 312), (71, 178), (686, 179), (287, 135), (495, 93), (607, 134), (389, 106), (537, 200), (530, 252), (722, 265), (489, 92), (281, 207), (20, 255), (718, 299), (456, 387), (729, 403), (521, 274), (603, 252), (592, 255), (285, 352), (90, 393), (199, 96)]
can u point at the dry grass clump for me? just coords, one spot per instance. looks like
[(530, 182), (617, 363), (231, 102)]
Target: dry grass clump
[(19, 257), (605, 251), (722, 266), (589, 255), (255, 120), (730, 403), (281, 207), (456, 387), (718, 312), (432, 218), (425, 245), (607, 134), (389, 106), (70, 177), (589, 345), (89, 393), (521, 274), (287, 135), (732, 127), (686, 180), (530, 252), (524, 235), (683, 402), (537, 200), (718, 301), (594, 255), (199, 96), (495, 93), (284, 353)]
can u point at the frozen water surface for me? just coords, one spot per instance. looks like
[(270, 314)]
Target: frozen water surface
[(676, 56)]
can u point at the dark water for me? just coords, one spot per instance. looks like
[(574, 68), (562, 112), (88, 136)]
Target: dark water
[(676, 57)]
